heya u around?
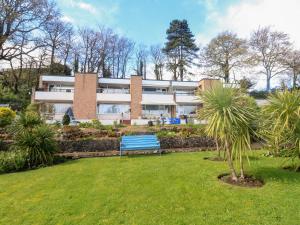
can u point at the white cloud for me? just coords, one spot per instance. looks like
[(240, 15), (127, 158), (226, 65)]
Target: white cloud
[(248, 15), (67, 19), (104, 13), (86, 6)]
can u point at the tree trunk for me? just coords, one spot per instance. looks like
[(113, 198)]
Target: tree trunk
[(226, 71), (242, 166), (294, 79), (268, 83), (218, 149), (230, 163), (181, 72), (52, 59)]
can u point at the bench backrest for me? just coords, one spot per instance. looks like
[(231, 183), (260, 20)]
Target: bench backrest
[(139, 142)]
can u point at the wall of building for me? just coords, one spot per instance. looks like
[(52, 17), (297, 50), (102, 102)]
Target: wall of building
[(136, 91), (85, 96), (207, 84)]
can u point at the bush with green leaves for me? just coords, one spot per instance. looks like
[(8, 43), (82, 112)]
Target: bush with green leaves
[(33, 137), (38, 143), (33, 107), (6, 116), (12, 161), (281, 124), (66, 120), (93, 124), (26, 121), (166, 133), (230, 116)]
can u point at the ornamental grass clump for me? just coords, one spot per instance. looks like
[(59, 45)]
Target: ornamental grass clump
[(34, 138), (231, 116), (281, 124)]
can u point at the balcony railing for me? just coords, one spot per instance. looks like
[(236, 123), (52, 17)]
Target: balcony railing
[(114, 116), (113, 91), (188, 93), (158, 92), (68, 90)]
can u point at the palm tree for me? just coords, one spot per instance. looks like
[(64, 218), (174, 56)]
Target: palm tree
[(230, 115), (282, 122)]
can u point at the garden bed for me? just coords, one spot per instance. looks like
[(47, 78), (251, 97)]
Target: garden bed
[(110, 144), (248, 181)]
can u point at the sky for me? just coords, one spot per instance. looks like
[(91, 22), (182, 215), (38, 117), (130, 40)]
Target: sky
[(146, 21)]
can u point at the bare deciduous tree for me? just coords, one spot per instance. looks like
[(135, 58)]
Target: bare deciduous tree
[(223, 54), (141, 57), (57, 33), (292, 62), (105, 52), (270, 47), (158, 59), (18, 17)]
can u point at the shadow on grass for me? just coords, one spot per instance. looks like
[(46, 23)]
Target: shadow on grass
[(276, 174), (146, 155), (64, 163)]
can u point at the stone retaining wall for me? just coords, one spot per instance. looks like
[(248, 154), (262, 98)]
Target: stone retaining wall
[(111, 144)]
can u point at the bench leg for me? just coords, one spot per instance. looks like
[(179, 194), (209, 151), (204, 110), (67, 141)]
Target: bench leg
[(120, 152)]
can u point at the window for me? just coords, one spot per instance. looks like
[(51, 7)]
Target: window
[(186, 109), (56, 108), (156, 110), (61, 108), (113, 108), (150, 89)]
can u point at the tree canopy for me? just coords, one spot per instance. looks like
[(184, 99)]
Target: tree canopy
[(180, 48)]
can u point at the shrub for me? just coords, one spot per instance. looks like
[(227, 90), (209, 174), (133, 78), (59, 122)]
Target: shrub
[(93, 124), (6, 116), (281, 124), (38, 143), (12, 161), (33, 107), (66, 120), (166, 133), (28, 120), (97, 124), (71, 132)]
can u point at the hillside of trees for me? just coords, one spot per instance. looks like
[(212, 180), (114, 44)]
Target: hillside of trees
[(35, 40)]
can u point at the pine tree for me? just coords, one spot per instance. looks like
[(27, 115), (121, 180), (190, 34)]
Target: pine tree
[(180, 48)]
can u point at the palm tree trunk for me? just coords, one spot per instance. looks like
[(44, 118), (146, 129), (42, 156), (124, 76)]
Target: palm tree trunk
[(230, 163), (218, 149), (242, 167)]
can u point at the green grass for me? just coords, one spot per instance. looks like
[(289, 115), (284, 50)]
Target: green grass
[(173, 189)]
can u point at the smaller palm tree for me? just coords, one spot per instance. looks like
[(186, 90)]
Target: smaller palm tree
[(230, 116), (281, 127)]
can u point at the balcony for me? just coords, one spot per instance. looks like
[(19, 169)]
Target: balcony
[(113, 90), (113, 95), (61, 96), (158, 99), (187, 97)]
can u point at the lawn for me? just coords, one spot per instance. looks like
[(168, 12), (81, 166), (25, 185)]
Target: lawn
[(179, 188)]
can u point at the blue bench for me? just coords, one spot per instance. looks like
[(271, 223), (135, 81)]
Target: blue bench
[(139, 142)]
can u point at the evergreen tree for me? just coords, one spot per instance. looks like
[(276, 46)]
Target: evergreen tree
[(180, 48)]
